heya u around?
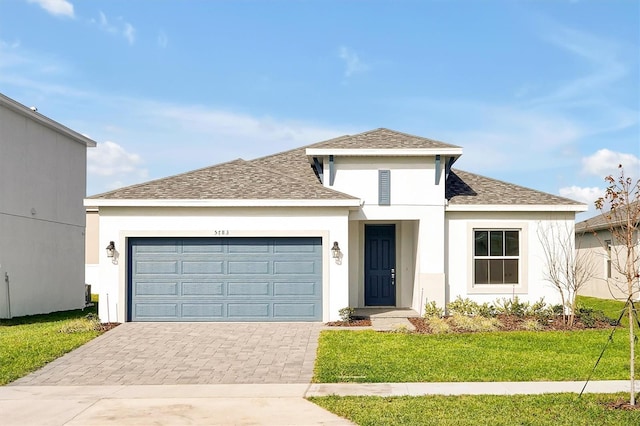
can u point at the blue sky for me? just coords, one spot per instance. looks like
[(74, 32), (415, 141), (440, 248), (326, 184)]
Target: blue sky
[(544, 94)]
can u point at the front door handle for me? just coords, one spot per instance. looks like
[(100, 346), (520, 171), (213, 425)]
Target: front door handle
[(393, 276)]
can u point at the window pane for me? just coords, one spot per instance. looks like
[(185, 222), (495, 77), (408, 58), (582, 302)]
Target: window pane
[(511, 271), (512, 243), (496, 274), (482, 271), (496, 243), (481, 246)]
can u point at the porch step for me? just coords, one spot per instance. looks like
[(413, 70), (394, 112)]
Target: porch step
[(388, 319)]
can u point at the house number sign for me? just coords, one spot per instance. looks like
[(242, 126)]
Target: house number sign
[(221, 232)]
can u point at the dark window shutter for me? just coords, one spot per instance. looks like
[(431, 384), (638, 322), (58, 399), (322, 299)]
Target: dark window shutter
[(384, 187)]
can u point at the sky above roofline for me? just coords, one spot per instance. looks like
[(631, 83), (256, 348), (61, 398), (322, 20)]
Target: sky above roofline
[(540, 94)]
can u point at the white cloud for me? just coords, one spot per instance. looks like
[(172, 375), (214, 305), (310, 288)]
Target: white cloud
[(352, 62), (587, 195), (605, 162), (163, 40), (56, 7), (121, 27), (112, 164)]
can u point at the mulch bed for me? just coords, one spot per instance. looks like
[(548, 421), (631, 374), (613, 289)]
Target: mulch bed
[(513, 323), (355, 322), (106, 326), (623, 405)]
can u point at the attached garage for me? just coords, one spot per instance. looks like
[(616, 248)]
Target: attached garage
[(224, 279)]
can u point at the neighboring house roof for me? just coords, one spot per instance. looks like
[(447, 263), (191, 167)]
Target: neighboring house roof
[(381, 139), (464, 188), (45, 121), (289, 176), (606, 219)]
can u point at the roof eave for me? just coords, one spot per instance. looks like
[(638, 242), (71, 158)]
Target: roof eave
[(45, 121), (517, 208), (112, 202), (398, 152)]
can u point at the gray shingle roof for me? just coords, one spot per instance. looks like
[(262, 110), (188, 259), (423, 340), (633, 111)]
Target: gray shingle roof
[(237, 179), (464, 188), (289, 176), (606, 219), (382, 139)]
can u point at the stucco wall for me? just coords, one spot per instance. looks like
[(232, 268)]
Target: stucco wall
[(412, 179), (118, 223), (459, 254), (592, 247), (42, 220)]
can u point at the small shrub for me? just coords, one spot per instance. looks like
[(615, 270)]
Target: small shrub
[(540, 311), (512, 307), (462, 306), (532, 325), (486, 310), (438, 325), (346, 314), (589, 316), (478, 323), (431, 310)]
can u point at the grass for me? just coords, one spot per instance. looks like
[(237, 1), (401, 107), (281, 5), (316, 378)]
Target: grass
[(28, 343), (611, 308), (549, 409), (369, 356)]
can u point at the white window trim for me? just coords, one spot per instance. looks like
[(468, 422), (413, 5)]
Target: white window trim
[(523, 272)]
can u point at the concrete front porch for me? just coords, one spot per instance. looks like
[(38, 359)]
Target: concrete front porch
[(388, 319)]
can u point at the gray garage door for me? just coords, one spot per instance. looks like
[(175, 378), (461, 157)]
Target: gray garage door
[(225, 279)]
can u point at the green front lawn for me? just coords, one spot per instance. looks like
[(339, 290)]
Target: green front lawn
[(550, 409), (611, 308), (28, 343), (369, 356)]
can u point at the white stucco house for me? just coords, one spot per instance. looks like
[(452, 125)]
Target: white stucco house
[(377, 219), (596, 244), (43, 170)]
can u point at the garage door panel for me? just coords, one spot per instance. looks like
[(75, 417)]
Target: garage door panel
[(202, 247), (297, 310), (291, 245), (225, 279), (249, 246), (196, 311), (156, 310), (248, 289), (244, 268), (300, 267), (156, 289), (203, 289), (296, 289), (202, 267), (156, 267), (248, 310)]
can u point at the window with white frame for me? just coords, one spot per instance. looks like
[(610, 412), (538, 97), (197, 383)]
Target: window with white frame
[(496, 256)]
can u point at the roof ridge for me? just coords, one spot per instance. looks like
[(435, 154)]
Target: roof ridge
[(419, 137), (518, 186), (137, 185)]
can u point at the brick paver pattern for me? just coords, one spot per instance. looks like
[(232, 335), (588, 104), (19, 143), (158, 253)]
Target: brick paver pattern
[(188, 353)]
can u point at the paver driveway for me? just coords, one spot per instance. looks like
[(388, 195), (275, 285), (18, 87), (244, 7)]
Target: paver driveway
[(188, 353)]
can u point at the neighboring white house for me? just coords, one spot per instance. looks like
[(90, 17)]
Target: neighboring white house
[(374, 219), (42, 220), (595, 243)]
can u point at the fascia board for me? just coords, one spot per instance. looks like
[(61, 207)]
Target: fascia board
[(45, 121), (517, 208), (365, 152), (95, 202)]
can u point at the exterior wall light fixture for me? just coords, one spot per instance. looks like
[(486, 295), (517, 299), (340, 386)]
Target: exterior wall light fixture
[(111, 249), (335, 250)]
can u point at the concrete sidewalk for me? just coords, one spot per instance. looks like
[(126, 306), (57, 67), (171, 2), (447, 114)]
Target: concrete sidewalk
[(231, 404)]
